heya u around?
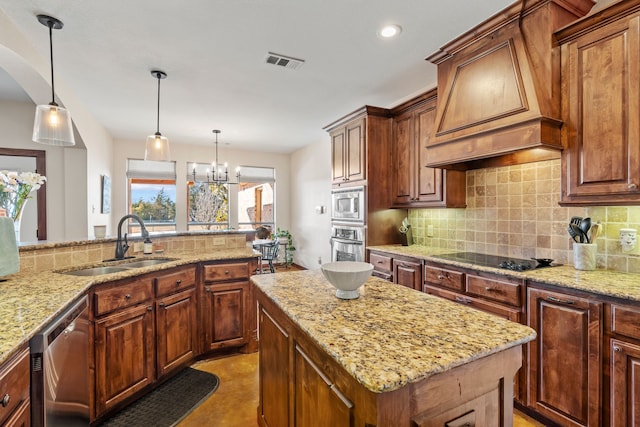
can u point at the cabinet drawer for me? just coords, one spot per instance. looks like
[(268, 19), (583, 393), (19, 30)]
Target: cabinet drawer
[(221, 272), (445, 278), (382, 275), (508, 313), (14, 384), (175, 281), (125, 295), (625, 321), (380, 262), (497, 290)]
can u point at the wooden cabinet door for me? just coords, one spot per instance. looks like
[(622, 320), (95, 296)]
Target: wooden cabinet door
[(402, 158), (355, 150), (407, 273), (428, 182), (176, 330), (338, 172), (124, 355), (565, 358), (226, 308), (21, 417), (601, 160), (274, 368), (318, 401), (625, 384)]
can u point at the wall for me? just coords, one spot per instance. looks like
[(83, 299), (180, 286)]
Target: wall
[(311, 184), (514, 211), (185, 155)]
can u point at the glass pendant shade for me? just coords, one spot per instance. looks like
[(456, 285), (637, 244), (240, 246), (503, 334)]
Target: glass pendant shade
[(157, 148), (52, 126)]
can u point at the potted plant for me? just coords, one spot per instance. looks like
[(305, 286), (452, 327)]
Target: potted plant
[(285, 239)]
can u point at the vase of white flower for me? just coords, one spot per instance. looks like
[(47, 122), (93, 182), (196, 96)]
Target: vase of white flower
[(15, 189)]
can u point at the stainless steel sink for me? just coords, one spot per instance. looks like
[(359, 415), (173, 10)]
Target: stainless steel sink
[(97, 271), (145, 262), (107, 269)]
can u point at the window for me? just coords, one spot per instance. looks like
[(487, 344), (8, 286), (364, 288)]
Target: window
[(152, 194), (208, 202), (256, 197)]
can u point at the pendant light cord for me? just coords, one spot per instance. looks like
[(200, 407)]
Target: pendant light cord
[(158, 115), (53, 91)]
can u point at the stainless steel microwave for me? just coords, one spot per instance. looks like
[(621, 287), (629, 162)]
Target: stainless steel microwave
[(348, 205)]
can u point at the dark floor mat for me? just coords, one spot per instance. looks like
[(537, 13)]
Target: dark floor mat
[(169, 403)]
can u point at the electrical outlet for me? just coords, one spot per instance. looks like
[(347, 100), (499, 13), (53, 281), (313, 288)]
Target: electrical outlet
[(430, 230), (319, 260), (138, 247)]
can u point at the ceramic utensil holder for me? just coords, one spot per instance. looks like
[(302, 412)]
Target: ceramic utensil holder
[(584, 256)]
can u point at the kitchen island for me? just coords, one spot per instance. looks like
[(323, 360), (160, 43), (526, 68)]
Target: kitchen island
[(392, 357)]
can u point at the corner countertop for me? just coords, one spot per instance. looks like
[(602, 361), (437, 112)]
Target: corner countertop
[(29, 301), (391, 335), (625, 286)]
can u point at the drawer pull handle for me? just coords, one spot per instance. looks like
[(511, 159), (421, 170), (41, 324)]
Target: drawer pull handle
[(463, 300), (127, 296), (632, 186), (440, 277), (558, 300), (5, 400), (379, 261), (226, 272), (494, 290), (178, 282), (617, 349)]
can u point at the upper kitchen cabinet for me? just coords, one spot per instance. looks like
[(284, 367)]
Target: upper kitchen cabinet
[(359, 143), (416, 185), (601, 107), (499, 87)]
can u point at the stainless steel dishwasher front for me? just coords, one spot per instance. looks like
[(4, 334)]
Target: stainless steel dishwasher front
[(60, 370)]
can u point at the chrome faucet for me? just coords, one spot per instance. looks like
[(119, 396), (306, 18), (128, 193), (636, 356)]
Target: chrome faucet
[(122, 247)]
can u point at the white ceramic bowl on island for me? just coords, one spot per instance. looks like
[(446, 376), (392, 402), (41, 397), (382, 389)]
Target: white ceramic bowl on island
[(347, 277)]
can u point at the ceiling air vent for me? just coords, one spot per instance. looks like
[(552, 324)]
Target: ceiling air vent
[(284, 61)]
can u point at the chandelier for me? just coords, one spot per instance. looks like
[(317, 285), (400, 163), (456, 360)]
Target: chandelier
[(217, 174)]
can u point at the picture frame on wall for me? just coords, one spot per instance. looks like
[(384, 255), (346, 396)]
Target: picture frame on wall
[(106, 194)]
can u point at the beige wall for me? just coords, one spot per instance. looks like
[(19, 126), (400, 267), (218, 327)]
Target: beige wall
[(514, 211)]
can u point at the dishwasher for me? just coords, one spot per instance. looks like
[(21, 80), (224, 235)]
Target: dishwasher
[(60, 369)]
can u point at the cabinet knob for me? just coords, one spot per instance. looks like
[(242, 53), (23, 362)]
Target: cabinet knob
[(149, 308), (617, 349), (558, 300), (632, 186), (5, 400), (127, 296), (226, 272), (463, 300), (161, 304), (178, 282), (379, 261)]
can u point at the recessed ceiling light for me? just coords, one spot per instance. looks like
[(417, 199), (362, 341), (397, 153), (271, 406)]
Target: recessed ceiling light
[(389, 31)]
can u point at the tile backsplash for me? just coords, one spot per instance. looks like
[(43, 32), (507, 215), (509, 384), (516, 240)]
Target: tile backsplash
[(513, 211)]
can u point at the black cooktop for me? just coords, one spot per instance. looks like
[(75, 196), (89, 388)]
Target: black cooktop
[(485, 260)]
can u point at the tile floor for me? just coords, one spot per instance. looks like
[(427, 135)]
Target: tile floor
[(234, 403)]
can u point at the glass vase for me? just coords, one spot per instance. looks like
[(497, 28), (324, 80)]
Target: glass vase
[(17, 221)]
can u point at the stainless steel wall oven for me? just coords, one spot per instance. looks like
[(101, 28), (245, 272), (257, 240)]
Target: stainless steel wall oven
[(347, 243)]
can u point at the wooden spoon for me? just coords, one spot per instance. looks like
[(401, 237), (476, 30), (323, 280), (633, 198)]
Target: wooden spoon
[(595, 232)]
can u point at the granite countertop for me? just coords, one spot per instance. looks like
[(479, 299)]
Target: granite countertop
[(608, 283), (29, 301), (391, 335)]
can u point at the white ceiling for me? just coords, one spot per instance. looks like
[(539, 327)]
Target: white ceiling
[(214, 54)]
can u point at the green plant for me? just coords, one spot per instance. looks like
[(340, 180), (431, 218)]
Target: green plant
[(289, 248)]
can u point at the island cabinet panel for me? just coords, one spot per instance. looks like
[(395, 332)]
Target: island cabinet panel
[(565, 359), (14, 391), (601, 107), (408, 272), (274, 368), (124, 355)]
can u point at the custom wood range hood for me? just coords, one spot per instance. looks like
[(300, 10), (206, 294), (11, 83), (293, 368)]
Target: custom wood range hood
[(499, 88)]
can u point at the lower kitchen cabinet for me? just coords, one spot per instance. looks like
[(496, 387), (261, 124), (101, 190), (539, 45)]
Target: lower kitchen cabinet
[(407, 272), (176, 330), (226, 305), (124, 355), (382, 265), (15, 407), (565, 359)]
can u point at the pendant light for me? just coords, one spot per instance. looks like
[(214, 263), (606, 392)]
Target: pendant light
[(157, 147), (52, 125)]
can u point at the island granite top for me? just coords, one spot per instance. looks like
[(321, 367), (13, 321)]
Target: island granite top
[(391, 335)]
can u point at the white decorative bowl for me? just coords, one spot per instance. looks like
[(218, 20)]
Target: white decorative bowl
[(347, 277)]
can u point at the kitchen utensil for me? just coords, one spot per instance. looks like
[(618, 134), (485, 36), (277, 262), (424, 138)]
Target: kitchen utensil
[(575, 220), (544, 262), (575, 231), (585, 226), (572, 232), (595, 232)]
